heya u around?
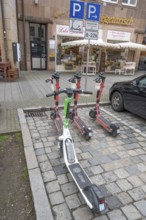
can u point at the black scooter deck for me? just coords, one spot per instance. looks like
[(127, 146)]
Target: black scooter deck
[(80, 122), (104, 120), (80, 175)]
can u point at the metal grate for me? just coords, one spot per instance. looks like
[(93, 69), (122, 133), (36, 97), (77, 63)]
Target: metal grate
[(35, 114)]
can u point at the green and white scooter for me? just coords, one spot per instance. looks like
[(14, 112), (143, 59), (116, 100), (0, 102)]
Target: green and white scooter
[(90, 192)]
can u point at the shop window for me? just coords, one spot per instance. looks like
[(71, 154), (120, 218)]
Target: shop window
[(110, 1), (129, 2)]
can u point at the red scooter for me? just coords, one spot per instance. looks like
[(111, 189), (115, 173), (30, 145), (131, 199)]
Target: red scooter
[(55, 116), (95, 113), (73, 114)]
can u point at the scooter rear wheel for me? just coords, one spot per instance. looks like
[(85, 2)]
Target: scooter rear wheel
[(114, 129), (92, 113), (71, 115)]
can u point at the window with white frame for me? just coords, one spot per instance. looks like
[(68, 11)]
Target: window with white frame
[(110, 1), (129, 2)]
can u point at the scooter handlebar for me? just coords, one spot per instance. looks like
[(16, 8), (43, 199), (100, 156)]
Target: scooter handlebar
[(77, 75), (69, 92), (100, 78), (49, 80)]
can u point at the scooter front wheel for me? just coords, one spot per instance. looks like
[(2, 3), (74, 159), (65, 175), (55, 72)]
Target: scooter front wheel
[(92, 113), (53, 115)]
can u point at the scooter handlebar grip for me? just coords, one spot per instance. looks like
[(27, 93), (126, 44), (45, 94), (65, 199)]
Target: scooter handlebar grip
[(51, 94)]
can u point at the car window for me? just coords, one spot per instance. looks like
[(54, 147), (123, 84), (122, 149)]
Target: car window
[(142, 82)]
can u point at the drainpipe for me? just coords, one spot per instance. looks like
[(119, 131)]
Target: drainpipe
[(24, 33), (4, 31)]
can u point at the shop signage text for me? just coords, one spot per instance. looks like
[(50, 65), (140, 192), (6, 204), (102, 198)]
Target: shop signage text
[(113, 20), (118, 35), (104, 19)]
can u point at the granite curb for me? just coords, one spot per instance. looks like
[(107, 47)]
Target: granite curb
[(41, 203)]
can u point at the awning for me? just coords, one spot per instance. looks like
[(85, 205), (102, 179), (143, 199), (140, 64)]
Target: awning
[(131, 45), (84, 42)]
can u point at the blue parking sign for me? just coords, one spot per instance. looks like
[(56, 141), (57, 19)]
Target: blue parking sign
[(76, 10), (93, 12)]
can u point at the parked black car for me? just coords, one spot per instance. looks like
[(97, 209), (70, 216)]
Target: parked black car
[(129, 95)]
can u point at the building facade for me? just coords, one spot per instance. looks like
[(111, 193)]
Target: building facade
[(44, 24)]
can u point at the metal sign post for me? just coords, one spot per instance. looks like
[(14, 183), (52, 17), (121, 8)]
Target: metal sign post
[(92, 20)]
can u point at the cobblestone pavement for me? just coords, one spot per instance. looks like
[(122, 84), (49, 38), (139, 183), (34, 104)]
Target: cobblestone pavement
[(30, 90), (116, 165)]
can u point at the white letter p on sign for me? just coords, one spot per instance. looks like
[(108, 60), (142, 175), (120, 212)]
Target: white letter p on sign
[(92, 10), (76, 8)]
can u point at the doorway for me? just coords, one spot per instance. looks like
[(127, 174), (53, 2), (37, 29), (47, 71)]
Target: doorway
[(38, 49)]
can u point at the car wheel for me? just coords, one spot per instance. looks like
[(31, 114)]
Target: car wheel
[(117, 102)]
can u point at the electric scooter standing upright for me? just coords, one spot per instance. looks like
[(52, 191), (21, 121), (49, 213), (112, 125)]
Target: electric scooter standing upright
[(95, 113), (55, 116), (90, 192), (73, 114)]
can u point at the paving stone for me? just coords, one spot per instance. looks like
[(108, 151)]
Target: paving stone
[(84, 163), (56, 198), (132, 170), (60, 169), (96, 170), (48, 150), (124, 184), (49, 176), (39, 151), (108, 166), (137, 193), (131, 146), (93, 161), (131, 212), (103, 217), (141, 206), (62, 178), (116, 215), (45, 166), (86, 155), (62, 212), (55, 162), (54, 155), (135, 181), (113, 202), (121, 173), (143, 157), (98, 180), (113, 188), (141, 167), (124, 198), (114, 156), (109, 177), (38, 145), (82, 213), (73, 201), (143, 177), (42, 158), (48, 144), (144, 188), (52, 186), (143, 144), (69, 188)]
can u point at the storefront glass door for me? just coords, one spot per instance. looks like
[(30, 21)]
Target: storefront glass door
[(38, 46)]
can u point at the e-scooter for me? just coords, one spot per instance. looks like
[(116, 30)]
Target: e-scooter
[(73, 114), (95, 113), (90, 192), (55, 116)]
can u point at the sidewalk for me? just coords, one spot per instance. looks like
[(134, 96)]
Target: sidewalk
[(31, 89)]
